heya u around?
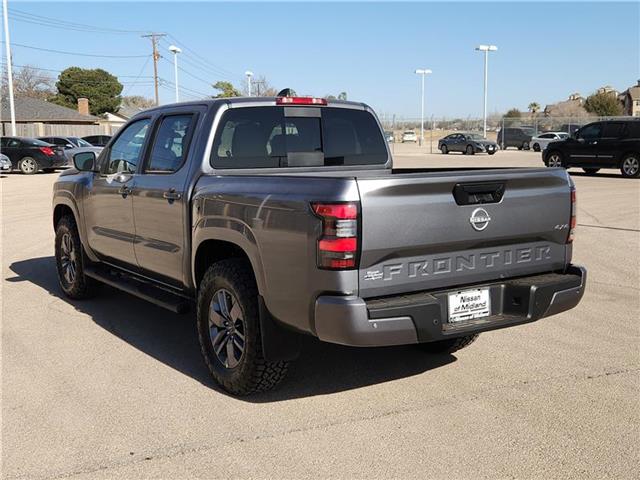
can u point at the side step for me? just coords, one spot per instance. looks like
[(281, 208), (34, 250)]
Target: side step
[(139, 288)]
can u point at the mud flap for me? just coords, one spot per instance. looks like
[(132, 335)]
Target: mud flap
[(278, 342)]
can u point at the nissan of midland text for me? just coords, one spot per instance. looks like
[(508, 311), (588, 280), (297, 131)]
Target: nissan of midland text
[(274, 218)]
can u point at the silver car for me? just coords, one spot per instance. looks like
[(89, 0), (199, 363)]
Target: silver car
[(5, 163), (71, 146)]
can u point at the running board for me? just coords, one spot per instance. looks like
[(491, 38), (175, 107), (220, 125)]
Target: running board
[(140, 289)]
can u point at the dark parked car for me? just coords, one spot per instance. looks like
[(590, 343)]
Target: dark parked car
[(607, 144), (275, 217), (519, 137), (467, 143), (30, 155), (97, 140)]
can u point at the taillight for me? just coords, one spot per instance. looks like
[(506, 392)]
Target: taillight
[(48, 151), (572, 225), (338, 244), (300, 101)]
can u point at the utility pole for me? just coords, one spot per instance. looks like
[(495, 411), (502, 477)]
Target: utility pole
[(156, 56), (7, 43), (423, 72)]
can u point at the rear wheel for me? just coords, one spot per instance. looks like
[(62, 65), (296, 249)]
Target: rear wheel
[(536, 147), (28, 165), (450, 345), (229, 330), (469, 150), (590, 171), (554, 160), (525, 145), (630, 167), (444, 149)]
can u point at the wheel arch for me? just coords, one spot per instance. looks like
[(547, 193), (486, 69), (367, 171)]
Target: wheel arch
[(211, 250)]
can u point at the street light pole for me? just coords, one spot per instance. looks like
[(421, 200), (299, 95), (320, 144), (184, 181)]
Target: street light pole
[(486, 49), (423, 72), (7, 43), (249, 74), (175, 50)]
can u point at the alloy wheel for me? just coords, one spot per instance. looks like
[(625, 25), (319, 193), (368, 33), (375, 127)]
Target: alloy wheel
[(630, 166), (68, 260), (226, 328), (28, 165), (555, 160)]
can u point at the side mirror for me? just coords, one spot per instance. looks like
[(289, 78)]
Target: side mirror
[(85, 161)]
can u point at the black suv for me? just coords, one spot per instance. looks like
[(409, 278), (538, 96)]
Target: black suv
[(519, 137), (606, 144)]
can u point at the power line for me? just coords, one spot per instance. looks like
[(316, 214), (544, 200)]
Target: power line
[(196, 92), (75, 53), (144, 65), (189, 73), (21, 15), (60, 71), (202, 59)]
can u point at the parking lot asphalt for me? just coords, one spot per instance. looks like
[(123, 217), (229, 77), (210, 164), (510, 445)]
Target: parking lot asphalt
[(116, 388)]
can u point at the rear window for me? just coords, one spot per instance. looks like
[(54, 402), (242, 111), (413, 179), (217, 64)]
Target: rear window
[(633, 129), (33, 142), (272, 137)]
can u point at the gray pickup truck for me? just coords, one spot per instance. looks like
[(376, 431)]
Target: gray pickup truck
[(277, 217)]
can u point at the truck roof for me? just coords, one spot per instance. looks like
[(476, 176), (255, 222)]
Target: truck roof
[(266, 101)]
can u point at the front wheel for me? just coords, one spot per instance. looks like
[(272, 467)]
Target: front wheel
[(444, 149), (229, 330), (28, 165), (590, 171), (69, 261), (536, 147), (525, 145), (469, 150), (450, 345), (630, 167), (554, 159)]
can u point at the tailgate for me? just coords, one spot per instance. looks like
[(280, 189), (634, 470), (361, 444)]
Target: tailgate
[(433, 230)]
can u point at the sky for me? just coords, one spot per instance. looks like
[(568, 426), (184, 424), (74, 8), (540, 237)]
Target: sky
[(546, 51)]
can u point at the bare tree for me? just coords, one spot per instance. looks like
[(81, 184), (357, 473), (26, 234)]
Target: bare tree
[(30, 81), (137, 101)]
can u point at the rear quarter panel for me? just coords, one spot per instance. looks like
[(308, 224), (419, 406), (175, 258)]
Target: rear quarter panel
[(270, 218)]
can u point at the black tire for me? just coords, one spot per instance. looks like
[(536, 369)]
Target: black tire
[(536, 147), (591, 171), (444, 149), (77, 286), (492, 152), (233, 280), (555, 159), (450, 345), (520, 148), (28, 165), (630, 166), (469, 150)]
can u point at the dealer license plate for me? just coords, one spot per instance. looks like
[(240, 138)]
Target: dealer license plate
[(469, 305)]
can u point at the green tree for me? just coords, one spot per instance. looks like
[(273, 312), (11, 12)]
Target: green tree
[(603, 104), (513, 113), (226, 90), (99, 86), (342, 96)]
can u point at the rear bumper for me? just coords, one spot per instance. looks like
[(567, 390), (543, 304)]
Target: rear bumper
[(422, 317)]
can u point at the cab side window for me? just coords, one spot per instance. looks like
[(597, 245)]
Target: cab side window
[(590, 132), (127, 150), (170, 144)]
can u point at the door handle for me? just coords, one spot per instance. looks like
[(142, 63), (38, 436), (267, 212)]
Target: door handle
[(171, 195), (124, 191)]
